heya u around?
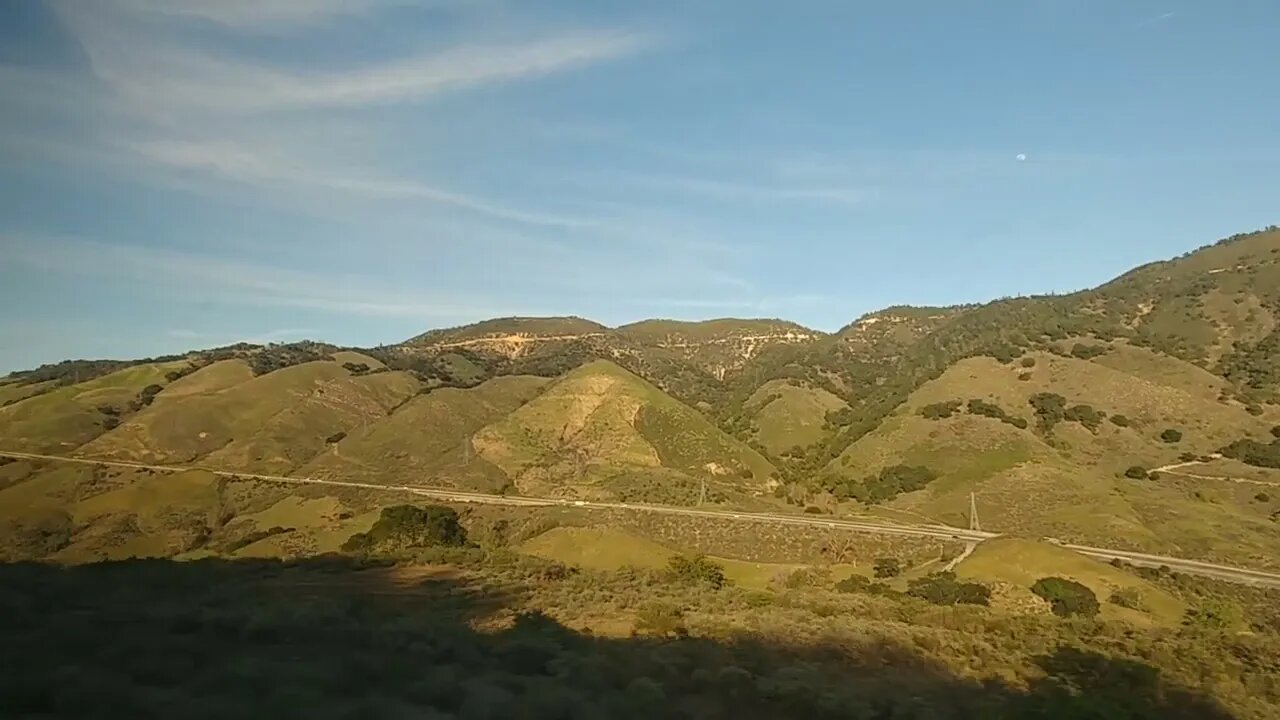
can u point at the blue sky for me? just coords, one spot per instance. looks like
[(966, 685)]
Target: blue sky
[(180, 173)]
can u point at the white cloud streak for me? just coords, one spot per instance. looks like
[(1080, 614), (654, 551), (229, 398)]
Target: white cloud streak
[(209, 278), (246, 164), (258, 15), (157, 75)]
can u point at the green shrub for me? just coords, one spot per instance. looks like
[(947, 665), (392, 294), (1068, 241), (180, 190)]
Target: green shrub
[(978, 406), (1262, 497), (943, 589), (860, 584), (887, 567), (1171, 435), (1275, 431), (1137, 472), (335, 438), (1067, 597), (1085, 415), (1213, 615), (938, 411), (1086, 352), (1252, 452), (696, 570), (1024, 376), (1120, 421), (1028, 362), (1049, 407)]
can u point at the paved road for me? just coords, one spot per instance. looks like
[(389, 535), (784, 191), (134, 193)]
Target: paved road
[(1191, 567)]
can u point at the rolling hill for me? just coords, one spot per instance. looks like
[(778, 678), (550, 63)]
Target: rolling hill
[(1053, 411)]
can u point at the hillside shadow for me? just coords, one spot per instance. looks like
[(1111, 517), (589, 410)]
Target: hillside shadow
[(327, 638)]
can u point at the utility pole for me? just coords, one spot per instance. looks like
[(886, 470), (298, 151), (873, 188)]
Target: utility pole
[(702, 492), (466, 452), (973, 512)]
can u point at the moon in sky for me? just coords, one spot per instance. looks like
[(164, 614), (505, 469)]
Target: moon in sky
[(1021, 157)]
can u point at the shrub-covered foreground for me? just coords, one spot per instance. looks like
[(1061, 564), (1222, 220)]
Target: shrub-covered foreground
[(489, 636)]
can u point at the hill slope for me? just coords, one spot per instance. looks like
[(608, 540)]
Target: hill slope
[(603, 427)]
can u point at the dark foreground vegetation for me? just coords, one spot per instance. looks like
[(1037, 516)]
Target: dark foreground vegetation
[(345, 638)]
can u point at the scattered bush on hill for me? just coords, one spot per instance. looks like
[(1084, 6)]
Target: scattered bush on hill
[(1067, 597), (1119, 420), (861, 584), (1050, 408), (1171, 435), (1252, 452), (1262, 497), (978, 406), (1085, 415), (1086, 352), (696, 570), (1028, 362), (1137, 472), (938, 411), (335, 438), (1213, 615), (943, 589), (356, 369), (887, 567)]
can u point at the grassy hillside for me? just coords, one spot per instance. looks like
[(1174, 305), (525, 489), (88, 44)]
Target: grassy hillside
[(601, 423), (785, 415), (1019, 563), (271, 423), (1069, 481), (68, 416), (427, 441)]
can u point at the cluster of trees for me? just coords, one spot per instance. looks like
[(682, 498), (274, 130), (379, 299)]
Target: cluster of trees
[(277, 357), (944, 589), (401, 527), (991, 410), (1254, 452), (1051, 409), (941, 410), (889, 483), (1067, 597), (976, 406), (696, 570)]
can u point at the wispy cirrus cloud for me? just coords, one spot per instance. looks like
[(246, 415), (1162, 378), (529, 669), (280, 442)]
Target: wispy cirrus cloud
[(253, 165), (259, 15), (171, 102), (156, 73), (210, 278)]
